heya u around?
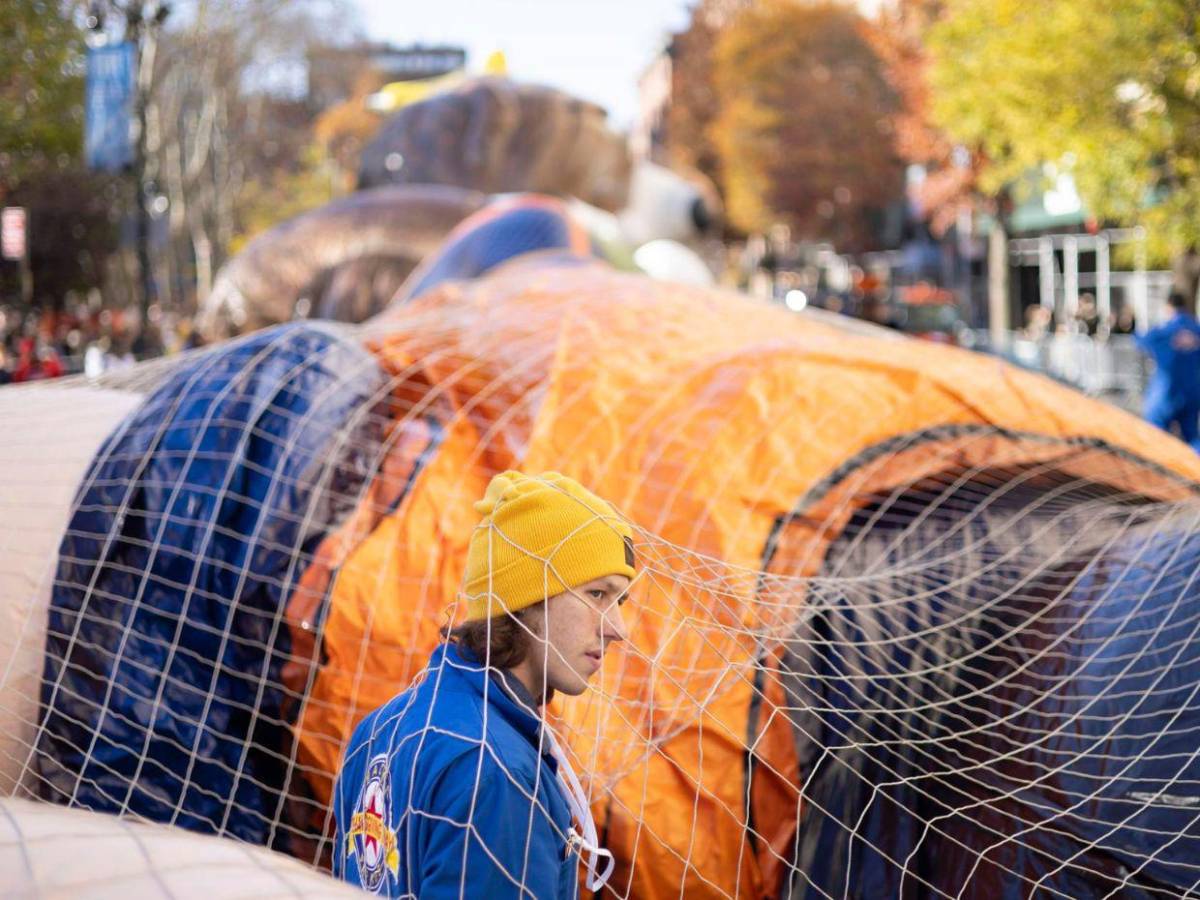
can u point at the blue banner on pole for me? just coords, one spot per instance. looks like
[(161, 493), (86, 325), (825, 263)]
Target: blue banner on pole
[(109, 105)]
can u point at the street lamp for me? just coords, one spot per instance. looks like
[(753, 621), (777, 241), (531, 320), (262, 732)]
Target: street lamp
[(142, 23)]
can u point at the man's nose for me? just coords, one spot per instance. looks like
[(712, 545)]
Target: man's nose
[(612, 625)]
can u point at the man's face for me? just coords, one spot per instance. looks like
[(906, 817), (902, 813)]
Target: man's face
[(571, 634)]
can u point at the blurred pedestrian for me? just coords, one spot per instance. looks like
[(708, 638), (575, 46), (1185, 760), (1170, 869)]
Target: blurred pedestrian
[(50, 363), (1123, 321), (1173, 395), (37, 361), (1038, 323), (25, 369), (1087, 316)]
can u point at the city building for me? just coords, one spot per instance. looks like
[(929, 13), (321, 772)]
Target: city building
[(647, 136), (333, 71)]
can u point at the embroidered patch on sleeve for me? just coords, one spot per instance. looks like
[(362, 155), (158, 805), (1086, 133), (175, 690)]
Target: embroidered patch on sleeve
[(370, 839)]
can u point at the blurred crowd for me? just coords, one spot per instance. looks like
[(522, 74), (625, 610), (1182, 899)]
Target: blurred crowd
[(773, 267), (1041, 322), (84, 339)]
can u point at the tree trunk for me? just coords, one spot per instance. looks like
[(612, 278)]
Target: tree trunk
[(1186, 275), (998, 313), (202, 248)]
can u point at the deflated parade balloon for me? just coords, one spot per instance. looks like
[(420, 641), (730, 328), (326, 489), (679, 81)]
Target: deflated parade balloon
[(907, 619)]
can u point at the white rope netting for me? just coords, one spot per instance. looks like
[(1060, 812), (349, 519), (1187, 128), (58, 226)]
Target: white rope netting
[(883, 640)]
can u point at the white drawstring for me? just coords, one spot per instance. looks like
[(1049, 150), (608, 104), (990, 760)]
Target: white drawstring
[(576, 799)]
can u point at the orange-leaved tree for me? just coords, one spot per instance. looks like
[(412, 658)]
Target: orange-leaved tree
[(900, 37), (805, 128), (693, 108)]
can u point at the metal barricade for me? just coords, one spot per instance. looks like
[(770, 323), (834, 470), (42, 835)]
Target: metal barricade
[(1111, 368)]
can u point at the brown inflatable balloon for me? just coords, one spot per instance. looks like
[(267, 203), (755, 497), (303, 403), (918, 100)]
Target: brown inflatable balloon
[(496, 136), (343, 261)]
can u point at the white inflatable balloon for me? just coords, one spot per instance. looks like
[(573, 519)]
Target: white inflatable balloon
[(669, 260), (53, 852), (42, 463), (664, 204)]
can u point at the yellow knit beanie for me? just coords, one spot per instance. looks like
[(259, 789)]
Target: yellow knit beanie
[(539, 536)]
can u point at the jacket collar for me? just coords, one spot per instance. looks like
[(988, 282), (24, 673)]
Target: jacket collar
[(505, 694), (510, 699)]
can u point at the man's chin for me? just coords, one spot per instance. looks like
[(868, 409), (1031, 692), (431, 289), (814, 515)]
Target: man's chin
[(573, 688)]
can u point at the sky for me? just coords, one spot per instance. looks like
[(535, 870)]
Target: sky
[(594, 49)]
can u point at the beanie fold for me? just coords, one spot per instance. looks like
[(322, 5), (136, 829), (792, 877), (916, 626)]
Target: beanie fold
[(540, 536)]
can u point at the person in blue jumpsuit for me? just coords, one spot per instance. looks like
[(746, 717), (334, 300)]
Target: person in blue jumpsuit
[(1173, 395), (456, 788)]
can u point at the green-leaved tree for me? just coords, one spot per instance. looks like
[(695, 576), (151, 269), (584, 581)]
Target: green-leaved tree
[(41, 88), (1107, 91)]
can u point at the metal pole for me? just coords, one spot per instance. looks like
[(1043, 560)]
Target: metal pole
[(1070, 277), (998, 314), (1103, 279), (1046, 272), (144, 42), (1141, 293), (26, 272)]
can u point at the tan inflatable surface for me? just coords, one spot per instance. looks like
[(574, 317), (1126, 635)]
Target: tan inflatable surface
[(51, 853), (56, 431)]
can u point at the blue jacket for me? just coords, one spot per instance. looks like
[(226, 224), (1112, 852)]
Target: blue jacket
[(425, 787), (1175, 348)]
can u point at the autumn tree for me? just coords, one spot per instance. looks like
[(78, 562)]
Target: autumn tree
[(41, 88), (222, 127), (74, 218), (72, 213), (900, 37), (1107, 91), (326, 164), (230, 148), (804, 129), (693, 108), (344, 129)]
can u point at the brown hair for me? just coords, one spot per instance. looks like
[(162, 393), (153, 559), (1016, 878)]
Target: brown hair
[(502, 641)]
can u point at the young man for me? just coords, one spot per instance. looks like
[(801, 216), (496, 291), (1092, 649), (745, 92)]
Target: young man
[(456, 788), (1173, 395)]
